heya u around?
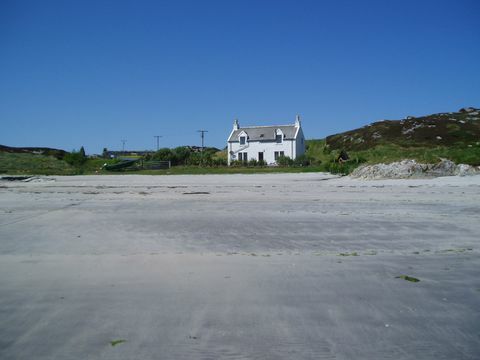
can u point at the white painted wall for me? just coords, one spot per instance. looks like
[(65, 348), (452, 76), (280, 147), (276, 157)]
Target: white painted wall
[(290, 148), (268, 149), (300, 145)]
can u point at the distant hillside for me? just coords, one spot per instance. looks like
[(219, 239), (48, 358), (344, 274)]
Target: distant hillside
[(57, 153), (453, 129)]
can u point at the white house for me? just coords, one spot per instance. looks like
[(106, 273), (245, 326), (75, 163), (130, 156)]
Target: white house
[(265, 143)]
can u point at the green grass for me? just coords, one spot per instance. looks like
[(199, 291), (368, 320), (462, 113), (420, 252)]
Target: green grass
[(30, 164), (196, 170), (391, 153), (459, 154)]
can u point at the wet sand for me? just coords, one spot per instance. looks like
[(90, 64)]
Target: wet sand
[(278, 266)]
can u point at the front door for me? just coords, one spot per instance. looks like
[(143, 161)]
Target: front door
[(260, 156)]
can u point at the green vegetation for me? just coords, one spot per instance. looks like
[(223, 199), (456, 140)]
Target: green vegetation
[(23, 163), (199, 170), (389, 153), (184, 156), (408, 278), (33, 164), (428, 139), (116, 342)]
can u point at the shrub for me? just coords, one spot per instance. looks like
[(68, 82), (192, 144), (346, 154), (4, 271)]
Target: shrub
[(163, 154), (219, 162), (181, 155), (284, 161), (75, 158), (302, 160)]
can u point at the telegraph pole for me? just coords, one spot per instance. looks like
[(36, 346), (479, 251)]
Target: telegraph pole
[(123, 145), (203, 136), (157, 137)]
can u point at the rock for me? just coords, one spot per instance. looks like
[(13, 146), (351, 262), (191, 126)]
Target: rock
[(443, 168), (463, 169), (411, 169), (467, 110)]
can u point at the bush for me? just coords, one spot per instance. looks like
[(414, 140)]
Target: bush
[(200, 159), (284, 161), (341, 168), (181, 155), (75, 158), (219, 162), (302, 160), (164, 154)]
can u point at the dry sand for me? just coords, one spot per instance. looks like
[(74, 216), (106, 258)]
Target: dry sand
[(239, 267)]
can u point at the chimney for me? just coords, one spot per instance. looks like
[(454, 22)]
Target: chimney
[(297, 121), (236, 126)]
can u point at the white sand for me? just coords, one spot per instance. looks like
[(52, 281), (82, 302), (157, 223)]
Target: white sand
[(239, 267)]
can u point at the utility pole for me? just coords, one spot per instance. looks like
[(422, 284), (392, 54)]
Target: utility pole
[(157, 137), (203, 136), (123, 145)]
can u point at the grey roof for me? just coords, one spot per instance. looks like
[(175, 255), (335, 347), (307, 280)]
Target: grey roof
[(264, 133)]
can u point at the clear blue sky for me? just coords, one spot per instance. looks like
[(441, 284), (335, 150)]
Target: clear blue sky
[(91, 73)]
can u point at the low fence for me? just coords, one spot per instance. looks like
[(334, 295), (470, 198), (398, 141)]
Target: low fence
[(156, 165)]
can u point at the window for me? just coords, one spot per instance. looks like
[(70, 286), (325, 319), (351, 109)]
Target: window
[(242, 140), (277, 154), (279, 136), (243, 157)]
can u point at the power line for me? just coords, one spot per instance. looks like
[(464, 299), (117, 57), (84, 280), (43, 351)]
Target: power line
[(203, 136)]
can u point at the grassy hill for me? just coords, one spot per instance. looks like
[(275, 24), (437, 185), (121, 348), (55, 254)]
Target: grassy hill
[(444, 129), (33, 164), (454, 136)]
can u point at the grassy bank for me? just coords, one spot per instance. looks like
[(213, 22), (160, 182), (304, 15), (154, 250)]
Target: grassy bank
[(30, 164), (322, 159), (196, 170), (327, 158)]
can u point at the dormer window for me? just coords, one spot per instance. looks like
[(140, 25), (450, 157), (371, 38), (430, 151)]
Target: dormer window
[(278, 136), (243, 139)]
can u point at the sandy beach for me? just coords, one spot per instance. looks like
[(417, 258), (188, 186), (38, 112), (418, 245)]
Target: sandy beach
[(277, 266)]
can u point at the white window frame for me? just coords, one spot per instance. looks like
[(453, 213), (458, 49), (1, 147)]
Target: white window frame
[(279, 132)]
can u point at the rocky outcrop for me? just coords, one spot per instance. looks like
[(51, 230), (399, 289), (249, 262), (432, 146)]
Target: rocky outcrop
[(412, 169)]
